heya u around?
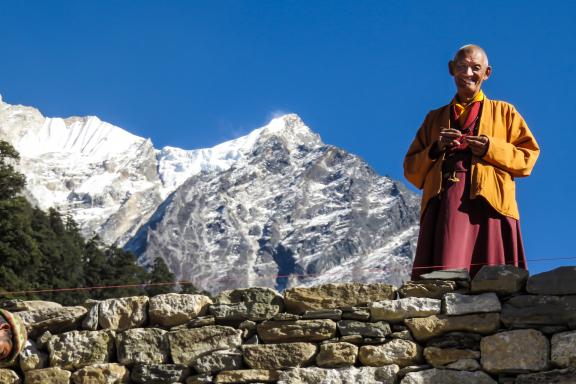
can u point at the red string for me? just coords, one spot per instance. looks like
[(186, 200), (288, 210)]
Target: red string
[(186, 282)]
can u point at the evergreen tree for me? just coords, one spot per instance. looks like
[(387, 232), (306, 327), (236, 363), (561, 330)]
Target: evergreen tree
[(160, 274), (11, 182)]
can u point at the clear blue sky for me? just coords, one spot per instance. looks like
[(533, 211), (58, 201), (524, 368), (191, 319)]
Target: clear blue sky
[(362, 74)]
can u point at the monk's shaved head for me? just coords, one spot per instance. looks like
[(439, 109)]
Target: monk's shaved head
[(468, 48)]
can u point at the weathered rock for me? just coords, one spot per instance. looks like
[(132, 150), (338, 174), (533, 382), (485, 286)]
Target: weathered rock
[(557, 376), (244, 311), (399, 352), (427, 327), (28, 305), (8, 376), (398, 310), (334, 355), (447, 274), (218, 361), (143, 346), (432, 289), (332, 314), (90, 322), (518, 351), (279, 356), (533, 310), (446, 376), (564, 349), (172, 309), (404, 335), (559, 281), (356, 313), (159, 373), (54, 320), (300, 300), (439, 357), (292, 331), (465, 365), (77, 349), (248, 328), (503, 279), (101, 374), (457, 304), (32, 358), (256, 304), (350, 375), (52, 375), (200, 379), (247, 376), (286, 317), (124, 313), (461, 340), (250, 295), (353, 327), (186, 345)]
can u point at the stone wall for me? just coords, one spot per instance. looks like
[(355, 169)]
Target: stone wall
[(501, 327)]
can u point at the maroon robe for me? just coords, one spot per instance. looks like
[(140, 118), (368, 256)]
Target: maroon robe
[(457, 232)]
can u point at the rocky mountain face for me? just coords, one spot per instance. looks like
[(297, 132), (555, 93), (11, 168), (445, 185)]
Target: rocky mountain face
[(274, 208)]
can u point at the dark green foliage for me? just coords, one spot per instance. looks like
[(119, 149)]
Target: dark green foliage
[(11, 182), (159, 275), (42, 251)]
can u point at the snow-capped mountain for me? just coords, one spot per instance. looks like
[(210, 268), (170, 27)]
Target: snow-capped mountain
[(273, 208)]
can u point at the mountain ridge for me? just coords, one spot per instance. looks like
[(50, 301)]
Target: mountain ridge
[(277, 201)]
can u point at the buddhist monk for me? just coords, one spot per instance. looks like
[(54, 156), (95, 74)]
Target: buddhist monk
[(465, 157), (12, 338)]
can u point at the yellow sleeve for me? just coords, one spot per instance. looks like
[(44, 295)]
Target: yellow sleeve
[(417, 161), (516, 154)]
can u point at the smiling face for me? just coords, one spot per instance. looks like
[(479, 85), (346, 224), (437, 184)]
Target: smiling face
[(469, 68)]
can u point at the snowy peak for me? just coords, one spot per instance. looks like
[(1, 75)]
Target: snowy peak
[(87, 137), (176, 165), (292, 130)]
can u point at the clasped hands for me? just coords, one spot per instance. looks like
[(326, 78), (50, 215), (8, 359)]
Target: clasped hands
[(450, 137)]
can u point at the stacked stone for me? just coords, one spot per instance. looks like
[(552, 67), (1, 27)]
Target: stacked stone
[(501, 327)]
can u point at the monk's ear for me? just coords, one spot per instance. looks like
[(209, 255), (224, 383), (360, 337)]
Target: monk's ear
[(488, 72), (451, 67)]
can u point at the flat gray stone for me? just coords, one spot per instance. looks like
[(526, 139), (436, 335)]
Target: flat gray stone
[(186, 345), (218, 361), (244, 311), (142, 346), (356, 313), (279, 356), (564, 349), (518, 351), (291, 331), (560, 281), (77, 349), (458, 304), (447, 274), (502, 279), (526, 311), (398, 310), (159, 373), (353, 327), (557, 376), (349, 375), (446, 376), (331, 314)]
